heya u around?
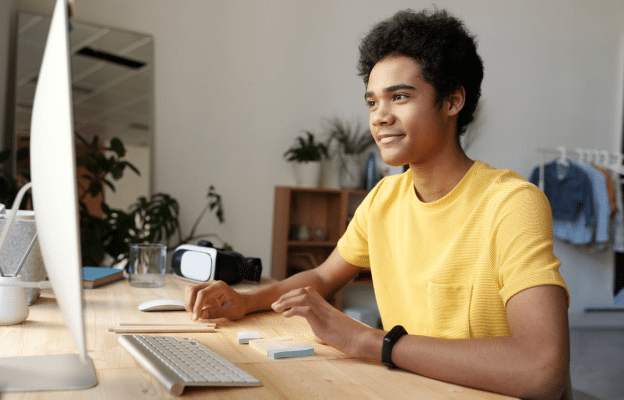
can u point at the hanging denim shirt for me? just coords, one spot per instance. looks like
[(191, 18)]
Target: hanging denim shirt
[(569, 191), (580, 232)]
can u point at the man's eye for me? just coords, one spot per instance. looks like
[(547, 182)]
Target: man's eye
[(371, 103), (400, 96)]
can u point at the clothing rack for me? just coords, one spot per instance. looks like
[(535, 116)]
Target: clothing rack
[(609, 160)]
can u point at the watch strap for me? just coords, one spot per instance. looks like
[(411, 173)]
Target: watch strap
[(389, 341)]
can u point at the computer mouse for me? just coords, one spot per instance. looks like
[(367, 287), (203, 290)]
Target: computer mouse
[(162, 305)]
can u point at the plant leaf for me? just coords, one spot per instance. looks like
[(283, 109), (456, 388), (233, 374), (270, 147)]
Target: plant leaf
[(117, 146)]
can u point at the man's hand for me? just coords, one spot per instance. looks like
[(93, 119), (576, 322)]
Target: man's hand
[(329, 325), (212, 300), (215, 299)]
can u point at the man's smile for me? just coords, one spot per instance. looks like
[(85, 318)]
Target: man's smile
[(389, 138)]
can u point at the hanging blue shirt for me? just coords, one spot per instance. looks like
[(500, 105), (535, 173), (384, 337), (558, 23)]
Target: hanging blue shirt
[(577, 232), (602, 203), (569, 191)]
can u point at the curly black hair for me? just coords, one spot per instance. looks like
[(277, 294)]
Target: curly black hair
[(442, 46)]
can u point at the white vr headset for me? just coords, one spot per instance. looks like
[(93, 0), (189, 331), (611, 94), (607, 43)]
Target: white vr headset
[(195, 262), (204, 262)]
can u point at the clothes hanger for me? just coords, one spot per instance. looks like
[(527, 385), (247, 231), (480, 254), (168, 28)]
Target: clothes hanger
[(596, 156), (605, 160), (617, 166), (563, 156)]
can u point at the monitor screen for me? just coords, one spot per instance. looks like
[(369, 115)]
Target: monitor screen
[(55, 201), (53, 176)]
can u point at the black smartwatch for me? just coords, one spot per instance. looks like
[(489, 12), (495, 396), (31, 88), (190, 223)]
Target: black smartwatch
[(389, 341)]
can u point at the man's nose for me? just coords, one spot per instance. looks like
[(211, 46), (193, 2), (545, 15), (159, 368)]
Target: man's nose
[(382, 115)]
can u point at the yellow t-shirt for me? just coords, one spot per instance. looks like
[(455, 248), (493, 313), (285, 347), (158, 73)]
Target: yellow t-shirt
[(447, 268)]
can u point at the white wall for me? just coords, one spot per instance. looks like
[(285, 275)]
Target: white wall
[(237, 81), (131, 186)]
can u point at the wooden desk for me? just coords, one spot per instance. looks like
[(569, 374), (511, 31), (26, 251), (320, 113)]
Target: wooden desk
[(329, 374)]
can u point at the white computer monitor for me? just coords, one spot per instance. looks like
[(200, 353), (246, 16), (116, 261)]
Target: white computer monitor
[(54, 192)]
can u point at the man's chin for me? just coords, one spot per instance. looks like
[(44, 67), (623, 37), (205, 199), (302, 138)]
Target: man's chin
[(393, 160)]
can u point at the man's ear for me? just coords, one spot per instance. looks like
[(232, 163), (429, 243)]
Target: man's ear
[(456, 101)]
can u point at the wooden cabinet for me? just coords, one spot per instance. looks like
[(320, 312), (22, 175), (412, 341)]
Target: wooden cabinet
[(307, 223)]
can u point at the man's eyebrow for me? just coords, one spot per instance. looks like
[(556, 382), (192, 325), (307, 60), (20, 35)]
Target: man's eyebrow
[(393, 88)]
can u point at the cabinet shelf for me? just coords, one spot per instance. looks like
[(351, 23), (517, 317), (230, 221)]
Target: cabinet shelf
[(327, 209)]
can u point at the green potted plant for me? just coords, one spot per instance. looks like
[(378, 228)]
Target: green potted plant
[(351, 140), (306, 155), (106, 236), (152, 220), (106, 233)]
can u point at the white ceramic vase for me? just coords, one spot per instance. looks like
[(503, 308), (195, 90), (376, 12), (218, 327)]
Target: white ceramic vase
[(13, 304), (350, 171), (308, 173)]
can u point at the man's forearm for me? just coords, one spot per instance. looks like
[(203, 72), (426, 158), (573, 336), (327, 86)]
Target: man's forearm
[(532, 363), (260, 299), (501, 364), (326, 279)]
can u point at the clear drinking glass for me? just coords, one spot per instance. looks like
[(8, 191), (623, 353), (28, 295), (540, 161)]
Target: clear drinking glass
[(147, 265)]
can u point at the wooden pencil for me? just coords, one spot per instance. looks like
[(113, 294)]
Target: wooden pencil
[(162, 329), (212, 324)]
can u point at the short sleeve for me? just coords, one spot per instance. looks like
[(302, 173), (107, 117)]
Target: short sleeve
[(523, 242)]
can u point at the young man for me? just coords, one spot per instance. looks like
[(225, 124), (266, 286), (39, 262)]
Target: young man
[(460, 253)]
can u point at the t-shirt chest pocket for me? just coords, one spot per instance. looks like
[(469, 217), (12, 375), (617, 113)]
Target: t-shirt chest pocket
[(448, 310)]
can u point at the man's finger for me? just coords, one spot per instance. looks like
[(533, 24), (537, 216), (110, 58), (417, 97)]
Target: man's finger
[(205, 299), (304, 311), (190, 295), (290, 300)]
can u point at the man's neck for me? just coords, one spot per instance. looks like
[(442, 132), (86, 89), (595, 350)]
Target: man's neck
[(437, 178)]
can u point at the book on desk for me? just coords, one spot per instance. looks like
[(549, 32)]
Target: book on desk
[(94, 277)]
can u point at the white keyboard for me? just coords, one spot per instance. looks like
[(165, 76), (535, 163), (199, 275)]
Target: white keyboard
[(179, 362)]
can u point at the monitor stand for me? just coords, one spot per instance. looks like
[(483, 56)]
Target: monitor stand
[(44, 373)]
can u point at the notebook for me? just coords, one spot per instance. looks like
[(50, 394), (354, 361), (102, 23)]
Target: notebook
[(93, 277)]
